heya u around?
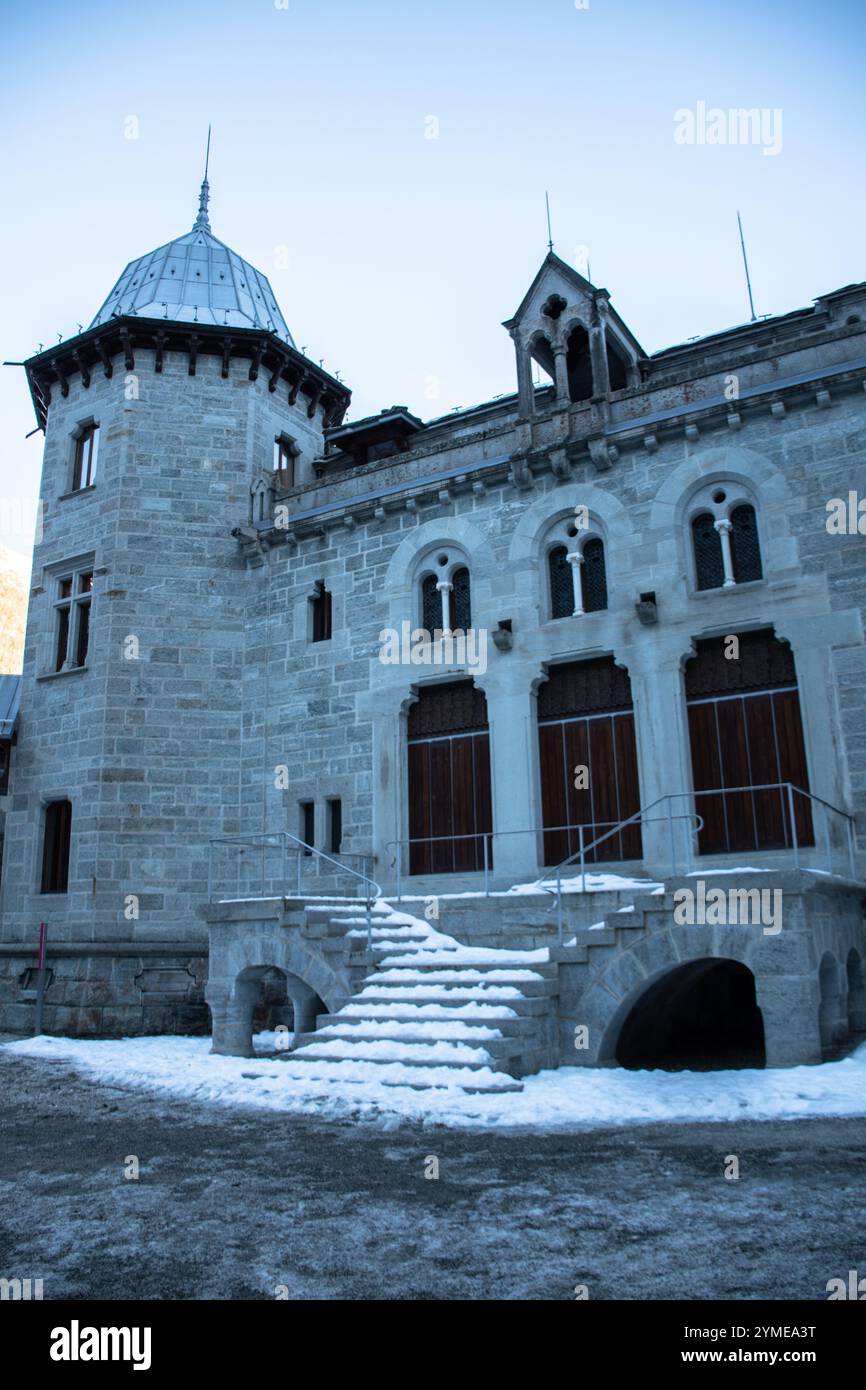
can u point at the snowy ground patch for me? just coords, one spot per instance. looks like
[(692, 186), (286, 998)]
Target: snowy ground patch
[(569, 1097)]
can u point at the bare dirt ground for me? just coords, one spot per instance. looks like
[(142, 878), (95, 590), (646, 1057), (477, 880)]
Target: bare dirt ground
[(231, 1204)]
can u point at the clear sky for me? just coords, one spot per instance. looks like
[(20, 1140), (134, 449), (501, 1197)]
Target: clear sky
[(405, 252)]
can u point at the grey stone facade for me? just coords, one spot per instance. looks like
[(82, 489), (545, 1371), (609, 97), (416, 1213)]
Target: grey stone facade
[(205, 709)]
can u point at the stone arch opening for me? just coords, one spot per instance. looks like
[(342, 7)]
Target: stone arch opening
[(617, 366), (700, 1016), (832, 1014), (578, 364), (268, 997), (541, 353), (856, 993), (831, 1018)]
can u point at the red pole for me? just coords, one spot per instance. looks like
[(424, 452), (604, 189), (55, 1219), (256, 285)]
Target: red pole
[(40, 983)]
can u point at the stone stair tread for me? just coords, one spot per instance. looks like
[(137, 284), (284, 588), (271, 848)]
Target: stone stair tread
[(383, 1051)]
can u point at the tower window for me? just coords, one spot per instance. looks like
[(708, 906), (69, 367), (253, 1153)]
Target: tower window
[(321, 610), (57, 837), (86, 450), (286, 452), (72, 621)]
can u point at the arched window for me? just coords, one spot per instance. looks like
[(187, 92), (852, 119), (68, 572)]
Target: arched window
[(561, 584), (461, 608), (745, 549), (445, 595), (709, 569), (725, 539), (431, 605), (593, 576)]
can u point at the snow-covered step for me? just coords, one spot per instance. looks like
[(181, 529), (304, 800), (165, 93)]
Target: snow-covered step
[(495, 1014), (475, 1082), (436, 1053), (409, 1030), (430, 1008), (444, 995)]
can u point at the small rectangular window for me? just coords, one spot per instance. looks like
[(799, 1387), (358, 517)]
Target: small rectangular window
[(86, 450), (308, 824), (4, 767), (285, 454), (321, 606), (55, 847), (335, 825)]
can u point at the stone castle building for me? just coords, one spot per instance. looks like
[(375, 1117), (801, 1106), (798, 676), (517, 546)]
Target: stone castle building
[(657, 561)]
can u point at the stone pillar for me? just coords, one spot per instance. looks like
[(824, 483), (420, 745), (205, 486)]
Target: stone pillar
[(304, 1005), (560, 367), (789, 1006), (232, 1012), (445, 588), (724, 529), (598, 358), (575, 559), (664, 762), (525, 392), (516, 812)]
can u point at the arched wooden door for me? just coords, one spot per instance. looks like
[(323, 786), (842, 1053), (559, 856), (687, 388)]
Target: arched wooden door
[(450, 807), (745, 731), (585, 720)]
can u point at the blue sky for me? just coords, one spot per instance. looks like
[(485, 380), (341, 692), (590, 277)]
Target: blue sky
[(405, 253)]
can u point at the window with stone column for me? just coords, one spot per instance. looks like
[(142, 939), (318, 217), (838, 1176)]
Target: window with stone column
[(576, 571), (725, 543), (445, 593)]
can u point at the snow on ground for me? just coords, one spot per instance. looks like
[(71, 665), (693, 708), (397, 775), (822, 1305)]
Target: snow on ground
[(570, 1097)]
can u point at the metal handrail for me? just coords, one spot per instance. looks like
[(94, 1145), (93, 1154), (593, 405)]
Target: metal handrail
[(266, 840), (791, 788)]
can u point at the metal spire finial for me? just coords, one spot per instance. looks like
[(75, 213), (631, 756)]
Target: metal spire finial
[(202, 220), (549, 232)]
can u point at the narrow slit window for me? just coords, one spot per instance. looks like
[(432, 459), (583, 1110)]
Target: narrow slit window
[(308, 824), (322, 614), (57, 836), (335, 825), (86, 450)]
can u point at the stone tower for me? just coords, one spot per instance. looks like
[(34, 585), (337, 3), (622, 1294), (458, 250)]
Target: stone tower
[(179, 413)]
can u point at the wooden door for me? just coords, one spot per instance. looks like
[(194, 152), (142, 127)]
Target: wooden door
[(745, 731), (585, 719), (450, 802)]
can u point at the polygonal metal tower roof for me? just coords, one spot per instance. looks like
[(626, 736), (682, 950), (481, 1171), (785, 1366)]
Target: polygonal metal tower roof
[(196, 279)]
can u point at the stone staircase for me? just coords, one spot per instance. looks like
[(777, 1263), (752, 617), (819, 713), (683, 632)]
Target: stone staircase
[(430, 1013)]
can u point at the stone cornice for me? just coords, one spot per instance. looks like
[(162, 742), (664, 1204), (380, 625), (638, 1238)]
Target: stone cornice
[(600, 449), (96, 348)]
